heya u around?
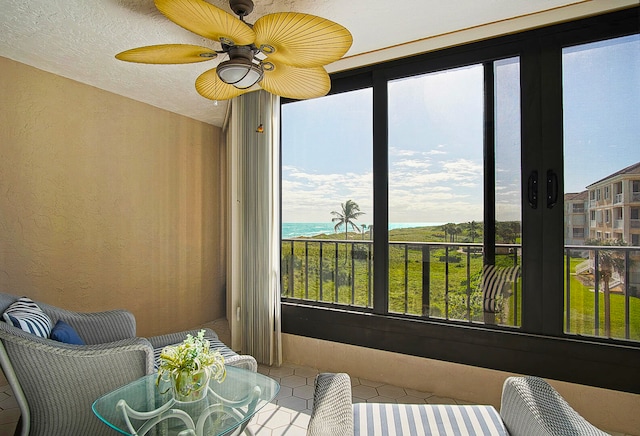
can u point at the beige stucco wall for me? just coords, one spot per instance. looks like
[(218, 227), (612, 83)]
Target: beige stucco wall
[(106, 203), (610, 410)]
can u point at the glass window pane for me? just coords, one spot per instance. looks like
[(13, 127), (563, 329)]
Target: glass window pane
[(601, 105), (327, 198), (436, 192), (508, 194)]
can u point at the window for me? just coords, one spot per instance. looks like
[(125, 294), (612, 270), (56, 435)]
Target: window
[(522, 145), (436, 183), (607, 216), (606, 192), (327, 197), (578, 208)]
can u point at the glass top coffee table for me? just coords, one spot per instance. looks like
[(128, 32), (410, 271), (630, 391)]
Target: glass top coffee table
[(141, 406)]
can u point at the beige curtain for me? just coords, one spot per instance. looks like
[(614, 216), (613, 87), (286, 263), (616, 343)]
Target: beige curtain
[(253, 276)]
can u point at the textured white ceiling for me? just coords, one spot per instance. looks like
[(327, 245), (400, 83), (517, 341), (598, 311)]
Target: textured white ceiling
[(78, 39)]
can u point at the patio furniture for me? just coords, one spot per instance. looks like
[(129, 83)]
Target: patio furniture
[(145, 405), (530, 406), (496, 284), (55, 383)]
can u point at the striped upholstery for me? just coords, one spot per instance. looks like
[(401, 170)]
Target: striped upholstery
[(530, 406), (494, 280), (426, 419), (27, 315)]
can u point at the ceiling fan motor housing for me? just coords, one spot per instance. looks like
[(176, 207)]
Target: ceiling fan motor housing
[(241, 8)]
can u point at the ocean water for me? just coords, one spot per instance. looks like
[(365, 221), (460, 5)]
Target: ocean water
[(291, 230)]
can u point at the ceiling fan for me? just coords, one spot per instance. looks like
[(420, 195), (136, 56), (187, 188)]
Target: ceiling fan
[(283, 53)]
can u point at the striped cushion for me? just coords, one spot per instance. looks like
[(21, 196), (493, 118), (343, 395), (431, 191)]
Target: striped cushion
[(494, 280), (27, 315), (214, 344), (426, 419)]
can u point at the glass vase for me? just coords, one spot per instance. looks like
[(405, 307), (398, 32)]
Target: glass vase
[(190, 386)]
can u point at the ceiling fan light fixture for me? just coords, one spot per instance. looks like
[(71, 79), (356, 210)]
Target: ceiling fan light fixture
[(240, 70), (240, 73)]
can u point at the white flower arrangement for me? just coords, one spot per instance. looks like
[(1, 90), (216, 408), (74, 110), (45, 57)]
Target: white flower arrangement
[(183, 362)]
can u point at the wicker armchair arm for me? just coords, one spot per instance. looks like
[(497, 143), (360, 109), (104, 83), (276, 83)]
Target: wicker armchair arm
[(332, 413), (531, 406)]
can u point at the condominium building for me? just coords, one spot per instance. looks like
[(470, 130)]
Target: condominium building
[(614, 206), (607, 209), (576, 227)]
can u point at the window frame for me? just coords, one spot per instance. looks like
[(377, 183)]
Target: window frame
[(540, 347)]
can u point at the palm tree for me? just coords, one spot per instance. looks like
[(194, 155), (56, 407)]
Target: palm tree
[(609, 261), (350, 212), (472, 230), (449, 229)]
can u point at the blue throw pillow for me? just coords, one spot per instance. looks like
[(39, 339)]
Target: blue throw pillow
[(27, 315), (63, 332)]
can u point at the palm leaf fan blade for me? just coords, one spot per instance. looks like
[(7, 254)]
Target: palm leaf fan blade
[(209, 85), (297, 83), (301, 40), (206, 20), (167, 54)]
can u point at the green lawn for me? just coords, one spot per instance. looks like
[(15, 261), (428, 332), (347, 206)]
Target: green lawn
[(583, 309)]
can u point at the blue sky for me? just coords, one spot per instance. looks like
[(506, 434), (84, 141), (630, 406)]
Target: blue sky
[(435, 139)]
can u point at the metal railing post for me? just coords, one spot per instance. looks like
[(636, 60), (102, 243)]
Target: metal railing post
[(426, 280), (567, 307)]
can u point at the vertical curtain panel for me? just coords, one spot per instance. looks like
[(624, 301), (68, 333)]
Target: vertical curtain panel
[(254, 258)]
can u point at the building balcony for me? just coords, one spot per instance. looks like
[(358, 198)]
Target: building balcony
[(618, 199)]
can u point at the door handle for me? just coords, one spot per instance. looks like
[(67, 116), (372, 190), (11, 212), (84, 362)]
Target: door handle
[(532, 189), (552, 189)]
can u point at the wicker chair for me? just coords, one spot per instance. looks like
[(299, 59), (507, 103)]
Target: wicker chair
[(530, 406), (55, 383)]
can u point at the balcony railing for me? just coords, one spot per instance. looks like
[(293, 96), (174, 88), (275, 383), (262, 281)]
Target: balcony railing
[(446, 281), (618, 198), (435, 280), (604, 306)]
